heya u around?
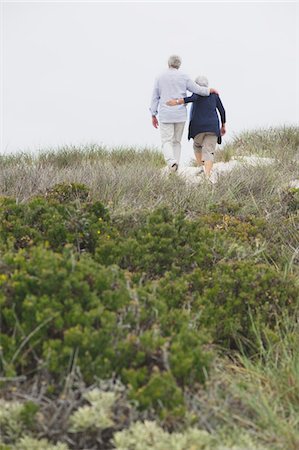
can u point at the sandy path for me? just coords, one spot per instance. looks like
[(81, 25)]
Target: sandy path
[(195, 175)]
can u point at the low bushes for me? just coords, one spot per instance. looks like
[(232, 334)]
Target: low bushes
[(150, 304), (168, 242), (229, 301), (58, 312), (16, 418), (49, 286), (241, 294), (96, 421), (60, 219), (53, 304)]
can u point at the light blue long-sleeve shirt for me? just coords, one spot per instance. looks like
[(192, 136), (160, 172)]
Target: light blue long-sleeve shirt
[(173, 84)]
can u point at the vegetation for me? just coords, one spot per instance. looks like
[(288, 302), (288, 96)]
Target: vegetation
[(139, 312)]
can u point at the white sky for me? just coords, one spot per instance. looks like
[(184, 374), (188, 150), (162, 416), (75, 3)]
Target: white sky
[(83, 72)]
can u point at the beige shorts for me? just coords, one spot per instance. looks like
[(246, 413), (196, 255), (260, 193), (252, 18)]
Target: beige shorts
[(206, 144)]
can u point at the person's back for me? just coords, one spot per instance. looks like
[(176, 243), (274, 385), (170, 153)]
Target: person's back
[(204, 117), (172, 84)]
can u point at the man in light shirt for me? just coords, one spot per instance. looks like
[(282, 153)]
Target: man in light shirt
[(173, 84)]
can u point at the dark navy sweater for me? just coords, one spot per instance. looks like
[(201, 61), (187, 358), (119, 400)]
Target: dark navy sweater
[(204, 117)]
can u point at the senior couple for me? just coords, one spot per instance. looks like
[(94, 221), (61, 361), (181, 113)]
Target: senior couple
[(169, 100)]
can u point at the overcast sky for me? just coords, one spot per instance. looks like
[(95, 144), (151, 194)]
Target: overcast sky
[(83, 72)]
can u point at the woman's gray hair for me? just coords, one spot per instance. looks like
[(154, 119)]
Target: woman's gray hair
[(202, 81), (174, 61)]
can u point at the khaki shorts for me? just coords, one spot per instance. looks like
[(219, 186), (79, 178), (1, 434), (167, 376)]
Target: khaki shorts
[(206, 144)]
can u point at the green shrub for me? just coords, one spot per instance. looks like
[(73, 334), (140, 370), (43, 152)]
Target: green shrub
[(29, 443), (15, 418), (188, 358), (161, 394), (150, 436), (68, 192), (53, 305), (244, 229), (97, 415), (52, 222), (236, 294), (59, 312), (168, 242), (5, 447), (164, 242), (151, 249), (224, 304)]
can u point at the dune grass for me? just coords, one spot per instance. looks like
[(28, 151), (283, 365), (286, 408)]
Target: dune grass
[(281, 143), (258, 396), (246, 402), (130, 178)]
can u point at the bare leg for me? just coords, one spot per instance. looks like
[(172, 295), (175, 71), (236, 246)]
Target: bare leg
[(198, 156), (208, 149), (208, 168), (197, 147)]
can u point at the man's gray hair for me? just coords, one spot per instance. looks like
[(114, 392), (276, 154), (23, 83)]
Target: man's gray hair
[(202, 81), (174, 61)]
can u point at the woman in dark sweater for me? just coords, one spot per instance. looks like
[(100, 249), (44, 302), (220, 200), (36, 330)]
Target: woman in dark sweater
[(204, 124)]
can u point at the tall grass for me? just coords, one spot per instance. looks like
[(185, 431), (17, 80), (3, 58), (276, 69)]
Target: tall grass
[(130, 178), (281, 143), (258, 396), (72, 156)]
